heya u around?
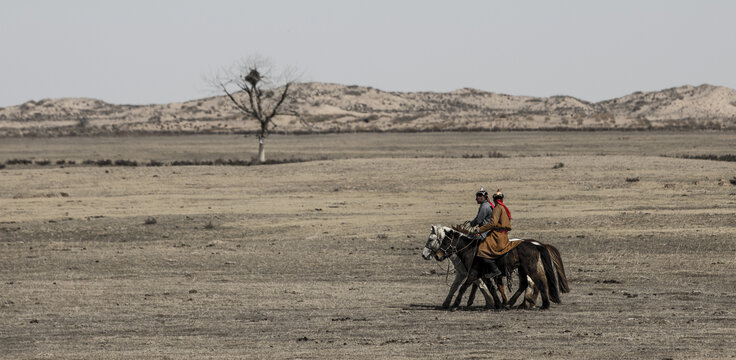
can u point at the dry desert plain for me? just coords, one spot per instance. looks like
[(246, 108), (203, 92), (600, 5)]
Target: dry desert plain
[(321, 259)]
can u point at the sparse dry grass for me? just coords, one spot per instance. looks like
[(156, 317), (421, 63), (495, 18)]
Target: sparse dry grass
[(320, 259)]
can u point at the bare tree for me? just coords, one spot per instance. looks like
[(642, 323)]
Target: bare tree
[(258, 94)]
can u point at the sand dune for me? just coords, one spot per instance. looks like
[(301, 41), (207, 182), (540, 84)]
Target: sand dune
[(339, 108)]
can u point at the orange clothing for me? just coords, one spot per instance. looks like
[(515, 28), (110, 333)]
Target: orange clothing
[(497, 242)]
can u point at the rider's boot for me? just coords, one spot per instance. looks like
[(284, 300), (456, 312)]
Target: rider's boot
[(492, 268)]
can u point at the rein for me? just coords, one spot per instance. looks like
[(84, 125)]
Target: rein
[(454, 238), (452, 245)]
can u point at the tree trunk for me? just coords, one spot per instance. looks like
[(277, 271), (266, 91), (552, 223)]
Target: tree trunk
[(261, 150)]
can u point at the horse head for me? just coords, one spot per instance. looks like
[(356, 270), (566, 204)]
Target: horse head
[(437, 237)]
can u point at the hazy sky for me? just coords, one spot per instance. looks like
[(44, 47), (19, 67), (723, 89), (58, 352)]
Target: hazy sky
[(139, 52)]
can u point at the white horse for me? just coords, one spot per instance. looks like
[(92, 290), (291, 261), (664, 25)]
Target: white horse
[(461, 272)]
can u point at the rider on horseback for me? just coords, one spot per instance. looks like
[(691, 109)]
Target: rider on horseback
[(485, 209), (495, 237)]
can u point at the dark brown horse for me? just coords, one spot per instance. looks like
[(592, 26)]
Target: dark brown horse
[(532, 291), (530, 297), (525, 257)]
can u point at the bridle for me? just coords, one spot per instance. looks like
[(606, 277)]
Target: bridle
[(434, 245), (451, 248)]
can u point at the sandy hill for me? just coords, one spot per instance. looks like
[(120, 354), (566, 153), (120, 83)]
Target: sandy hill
[(325, 107)]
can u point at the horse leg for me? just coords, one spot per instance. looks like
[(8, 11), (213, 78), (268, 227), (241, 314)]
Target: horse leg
[(479, 283), (459, 278), (492, 290), (530, 295), (470, 279), (541, 284), (523, 283), (501, 289), (471, 295)]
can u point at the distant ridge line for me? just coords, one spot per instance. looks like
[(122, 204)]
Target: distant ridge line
[(335, 108)]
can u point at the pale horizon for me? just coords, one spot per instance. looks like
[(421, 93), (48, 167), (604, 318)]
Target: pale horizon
[(147, 53)]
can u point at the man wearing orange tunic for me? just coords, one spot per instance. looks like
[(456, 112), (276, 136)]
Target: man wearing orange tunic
[(497, 243)]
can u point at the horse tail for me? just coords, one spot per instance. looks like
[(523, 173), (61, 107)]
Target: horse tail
[(549, 272), (560, 267)]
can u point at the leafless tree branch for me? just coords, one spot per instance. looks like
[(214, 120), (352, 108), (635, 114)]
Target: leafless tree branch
[(253, 77)]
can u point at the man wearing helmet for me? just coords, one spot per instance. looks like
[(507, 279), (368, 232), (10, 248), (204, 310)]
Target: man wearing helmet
[(485, 209), (496, 243)]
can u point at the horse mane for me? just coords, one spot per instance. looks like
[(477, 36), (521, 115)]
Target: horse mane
[(461, 228), (464, 232)]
